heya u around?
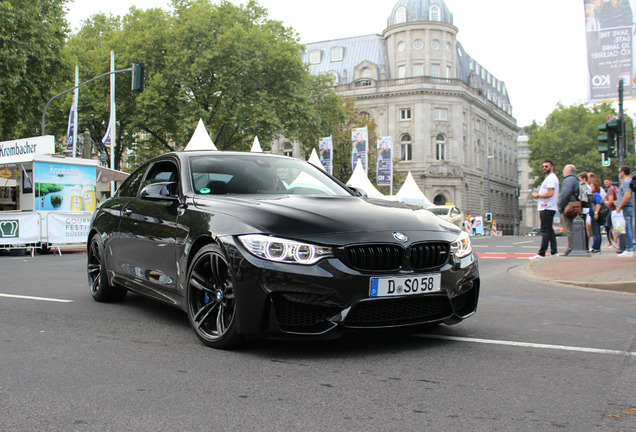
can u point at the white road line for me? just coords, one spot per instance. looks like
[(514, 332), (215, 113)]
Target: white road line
[(528, 241), (528, 345), (54, 300)]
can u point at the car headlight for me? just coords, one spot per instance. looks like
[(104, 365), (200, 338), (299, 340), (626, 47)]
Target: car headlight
[(462, 246), (284, 250)]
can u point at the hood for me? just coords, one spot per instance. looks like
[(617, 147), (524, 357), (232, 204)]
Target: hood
[(309, 217)]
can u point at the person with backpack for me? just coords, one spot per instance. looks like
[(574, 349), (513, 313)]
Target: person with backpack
[(570, 191), (547, 206)]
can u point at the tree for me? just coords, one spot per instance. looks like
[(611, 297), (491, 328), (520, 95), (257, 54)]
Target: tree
[(569, 136), (32, 34)]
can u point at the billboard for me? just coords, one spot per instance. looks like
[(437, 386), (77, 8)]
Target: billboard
[(360, 148), (325, 146), (384, 169), (609, 33), (64, 187)]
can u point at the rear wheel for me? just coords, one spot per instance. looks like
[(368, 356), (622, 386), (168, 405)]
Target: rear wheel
[(211, 302), (101, 290)]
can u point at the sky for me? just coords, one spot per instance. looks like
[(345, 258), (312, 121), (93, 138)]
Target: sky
[(537, 48)]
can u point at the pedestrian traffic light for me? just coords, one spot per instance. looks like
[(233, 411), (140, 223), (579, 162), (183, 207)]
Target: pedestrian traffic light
[(138, 77), (613, 129)]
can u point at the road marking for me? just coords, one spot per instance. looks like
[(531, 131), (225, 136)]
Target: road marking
[(54, 300), (528, 241), (504, 255), (528, 345)]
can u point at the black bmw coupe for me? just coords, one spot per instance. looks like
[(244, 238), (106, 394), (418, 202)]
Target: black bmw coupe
[(256, 245)]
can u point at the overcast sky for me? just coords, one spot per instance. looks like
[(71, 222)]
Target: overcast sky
[(536, 47)]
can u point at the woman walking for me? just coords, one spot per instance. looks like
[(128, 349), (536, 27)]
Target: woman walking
[(595, 207)]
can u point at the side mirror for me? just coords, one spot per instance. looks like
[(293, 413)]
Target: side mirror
[(166, 191)]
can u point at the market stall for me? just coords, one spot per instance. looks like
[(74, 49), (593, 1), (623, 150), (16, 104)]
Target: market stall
[(54, 196)]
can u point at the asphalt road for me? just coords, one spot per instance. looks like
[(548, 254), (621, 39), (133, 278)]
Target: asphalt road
[(533, 358)]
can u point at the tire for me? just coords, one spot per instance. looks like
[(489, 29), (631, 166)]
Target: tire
[(101, 290), (211, 304)]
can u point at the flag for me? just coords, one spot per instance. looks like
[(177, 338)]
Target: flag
[(107, 140), (71, 130)]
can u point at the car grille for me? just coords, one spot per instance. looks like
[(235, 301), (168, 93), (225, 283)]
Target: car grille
[(401, 311), (387, 257)]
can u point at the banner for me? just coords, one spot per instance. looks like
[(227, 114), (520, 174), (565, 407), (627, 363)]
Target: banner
[(360, 148), (64, 187), (71, 131), (384, 169), (107, 138), (23, 150), (19, 228), (326, 147), (609, 32), (68, 227)]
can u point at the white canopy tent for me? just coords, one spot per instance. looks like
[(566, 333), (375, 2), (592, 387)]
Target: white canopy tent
[(200, 139), (315, 160), (359, 180), (256, 146), (410, 193)]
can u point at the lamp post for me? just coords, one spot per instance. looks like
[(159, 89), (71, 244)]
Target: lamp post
[(488, 175)]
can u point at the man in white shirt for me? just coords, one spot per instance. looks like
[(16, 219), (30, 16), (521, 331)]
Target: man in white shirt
[(547, 198)]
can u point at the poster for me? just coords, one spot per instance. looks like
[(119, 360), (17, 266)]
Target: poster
[(64, 187), (360, 147), (325, 146), (384, 169), (609, 33)]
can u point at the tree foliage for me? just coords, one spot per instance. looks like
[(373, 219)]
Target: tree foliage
[(32, 34), (570, 136)]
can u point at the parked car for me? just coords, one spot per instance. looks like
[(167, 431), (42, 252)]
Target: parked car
[(449, 212), (257, 245), (535, 232)]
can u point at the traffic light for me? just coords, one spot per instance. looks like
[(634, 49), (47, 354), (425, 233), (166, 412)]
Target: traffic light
[(488, 217), (613, 129), (137, 77)]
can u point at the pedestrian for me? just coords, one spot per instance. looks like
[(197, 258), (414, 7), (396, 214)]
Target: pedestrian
[(610, 201), (595, 221), (586, 193), (547, 206), (626, 207), (569, 192)]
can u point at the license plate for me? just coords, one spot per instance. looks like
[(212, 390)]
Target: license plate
[(399, 286)]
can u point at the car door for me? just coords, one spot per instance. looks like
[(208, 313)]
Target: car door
[(148, 231)]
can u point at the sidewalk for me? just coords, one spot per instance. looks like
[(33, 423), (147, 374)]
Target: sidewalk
[(603, 271)]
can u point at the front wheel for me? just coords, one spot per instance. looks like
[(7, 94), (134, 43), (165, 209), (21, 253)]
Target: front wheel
[(211, 302), (101, 290)]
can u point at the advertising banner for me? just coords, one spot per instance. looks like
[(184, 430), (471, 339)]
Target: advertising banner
[(68, 227), (384, 170), (609, 32), (19, 228), (64, 187), (360, 148), (326, 149), (23, 150)]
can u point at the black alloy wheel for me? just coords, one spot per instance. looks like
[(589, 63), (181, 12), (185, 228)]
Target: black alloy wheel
[(211, 302), (101, 290)]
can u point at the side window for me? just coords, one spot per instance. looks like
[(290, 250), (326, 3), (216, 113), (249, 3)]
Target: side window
[(131, 186), (162, 172)]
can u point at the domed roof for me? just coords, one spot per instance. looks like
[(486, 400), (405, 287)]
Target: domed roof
[(406, 11)]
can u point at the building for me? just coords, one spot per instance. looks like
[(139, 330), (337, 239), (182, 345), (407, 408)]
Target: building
[(451, 120)]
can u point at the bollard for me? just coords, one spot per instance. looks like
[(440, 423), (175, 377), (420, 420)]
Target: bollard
[(578, 238)]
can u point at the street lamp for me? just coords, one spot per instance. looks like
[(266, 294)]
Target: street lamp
[(488, 174)]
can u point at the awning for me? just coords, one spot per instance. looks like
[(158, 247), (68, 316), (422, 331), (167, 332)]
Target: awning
[(106, 175)]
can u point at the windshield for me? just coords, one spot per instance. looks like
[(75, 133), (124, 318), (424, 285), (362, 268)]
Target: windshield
[(259, 174), (439, 211)]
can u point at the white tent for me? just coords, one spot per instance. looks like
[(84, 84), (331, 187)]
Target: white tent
[(200, 139), (359, 180), (315, 160), (256, 147), (410, 193)]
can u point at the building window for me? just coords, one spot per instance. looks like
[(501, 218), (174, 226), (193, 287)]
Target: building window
[(401, 71), (418, 44), (435, 71), (418, 70), (314, 57), (440, 114), (405, 114), (435, 13), (337, 54), (441, 146), (288, 149), (406, 148), (400, 15), (401, 46), (435, 44)]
